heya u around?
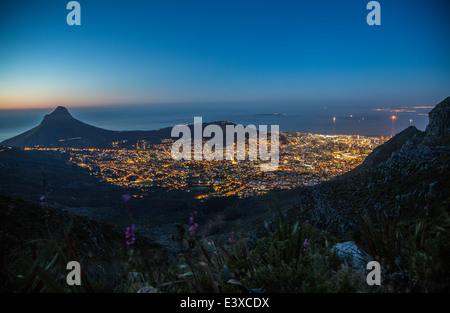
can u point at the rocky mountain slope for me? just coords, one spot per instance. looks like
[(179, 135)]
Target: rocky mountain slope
[(402, 177)]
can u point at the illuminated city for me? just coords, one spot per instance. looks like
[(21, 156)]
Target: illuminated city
[(305, 159)]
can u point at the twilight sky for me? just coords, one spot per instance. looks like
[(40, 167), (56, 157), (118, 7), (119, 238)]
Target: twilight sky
[(156, 51)]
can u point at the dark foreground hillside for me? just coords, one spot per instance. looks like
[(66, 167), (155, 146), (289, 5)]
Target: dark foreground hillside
[(34, 237)]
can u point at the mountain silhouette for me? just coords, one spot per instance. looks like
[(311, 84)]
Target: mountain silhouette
[(60, 129)]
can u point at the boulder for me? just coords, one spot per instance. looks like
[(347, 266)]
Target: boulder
[(351, 254)]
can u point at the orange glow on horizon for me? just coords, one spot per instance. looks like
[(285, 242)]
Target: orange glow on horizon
[(19, 103)]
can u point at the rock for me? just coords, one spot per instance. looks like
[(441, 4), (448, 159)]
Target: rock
[(350, 253), (439, 125)]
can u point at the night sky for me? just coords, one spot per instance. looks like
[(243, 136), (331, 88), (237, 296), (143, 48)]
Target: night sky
[(157, 51)]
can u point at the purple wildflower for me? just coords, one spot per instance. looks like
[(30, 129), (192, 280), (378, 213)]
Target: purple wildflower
[(193, 226), (129, 235), (230, 240), (126, 197), (44, 205), (306, 243)]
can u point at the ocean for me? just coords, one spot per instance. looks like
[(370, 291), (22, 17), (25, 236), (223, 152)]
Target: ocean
[(349, 119)]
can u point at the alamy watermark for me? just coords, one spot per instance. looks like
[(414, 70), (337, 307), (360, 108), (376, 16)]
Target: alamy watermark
[(374, 16), (374, 276), (74, 276), (250, 141), (74, 16)]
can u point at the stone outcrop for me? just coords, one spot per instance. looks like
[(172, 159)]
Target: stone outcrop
[(438, 128), (348, 252)]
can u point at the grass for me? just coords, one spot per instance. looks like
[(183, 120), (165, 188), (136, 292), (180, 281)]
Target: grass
[(292, 256), (280, 262), (414, 253)]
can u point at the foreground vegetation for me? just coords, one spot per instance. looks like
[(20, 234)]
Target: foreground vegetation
[(292, 256)]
